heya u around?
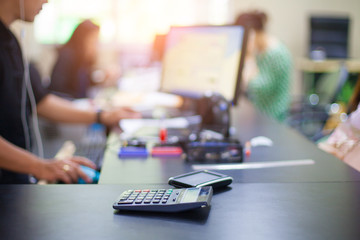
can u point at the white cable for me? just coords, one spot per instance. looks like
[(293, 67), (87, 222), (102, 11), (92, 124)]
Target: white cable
[(35, 120), (23, 92), (28, 88), (23, 116)]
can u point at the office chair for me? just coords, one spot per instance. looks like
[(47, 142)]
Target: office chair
[(308, 116)]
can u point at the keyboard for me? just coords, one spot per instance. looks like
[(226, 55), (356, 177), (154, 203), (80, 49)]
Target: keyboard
[(92, 144)]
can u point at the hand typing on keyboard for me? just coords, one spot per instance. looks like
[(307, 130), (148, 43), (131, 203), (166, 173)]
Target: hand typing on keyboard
[(64, 170), (65, 167), (92, 144)]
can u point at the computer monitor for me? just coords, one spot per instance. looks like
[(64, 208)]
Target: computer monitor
[(200, 59)]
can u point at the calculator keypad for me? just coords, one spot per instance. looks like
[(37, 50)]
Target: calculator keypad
[(147, 196), (164, 200)]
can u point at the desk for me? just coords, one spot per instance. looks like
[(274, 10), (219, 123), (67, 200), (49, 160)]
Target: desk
[(319, 201), (246, 211), (288, 145)]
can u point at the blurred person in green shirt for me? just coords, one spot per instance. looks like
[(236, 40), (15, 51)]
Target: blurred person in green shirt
[(268, 67)]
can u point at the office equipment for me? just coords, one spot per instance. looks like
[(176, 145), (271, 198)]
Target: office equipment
[(261, 141), (133, 148), (330, 34), (210, 110), (93, 153), (92, 144), (200, 179), (200, 59), (214, 110), (91, 173), (164, 200), (133, 151), (89, 141), (166, 151), (203, 65), (215, 151)]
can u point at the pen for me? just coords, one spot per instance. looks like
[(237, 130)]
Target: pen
[(248, 148), (163, 135)]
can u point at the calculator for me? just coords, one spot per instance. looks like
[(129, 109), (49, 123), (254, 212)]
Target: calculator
[(164, 200)]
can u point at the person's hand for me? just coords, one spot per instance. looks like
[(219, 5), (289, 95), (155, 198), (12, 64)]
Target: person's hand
[(251, 44), (67, 171), (112, 117), (250, 71)]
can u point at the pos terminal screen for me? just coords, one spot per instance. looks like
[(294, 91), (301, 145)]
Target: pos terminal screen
[(197, 178)]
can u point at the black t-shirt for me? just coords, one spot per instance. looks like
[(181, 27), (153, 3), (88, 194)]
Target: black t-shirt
[(11, 81)]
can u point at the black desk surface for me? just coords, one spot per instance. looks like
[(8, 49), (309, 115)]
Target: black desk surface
[(248, 123), (246, 211), (319, 201)]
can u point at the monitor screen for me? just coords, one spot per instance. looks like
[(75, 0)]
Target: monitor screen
[(204, 58)]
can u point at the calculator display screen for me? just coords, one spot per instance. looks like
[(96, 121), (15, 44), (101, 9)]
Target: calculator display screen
[(197, 178), (191, 195)]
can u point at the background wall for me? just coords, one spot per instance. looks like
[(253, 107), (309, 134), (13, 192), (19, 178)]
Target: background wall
[(289, 21)]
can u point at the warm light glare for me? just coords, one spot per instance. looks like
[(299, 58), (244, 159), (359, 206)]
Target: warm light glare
[(124, 21), (107, 31)]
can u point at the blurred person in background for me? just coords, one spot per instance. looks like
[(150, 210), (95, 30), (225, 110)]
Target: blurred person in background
[(74, 72), (268, 67), (71, 74)]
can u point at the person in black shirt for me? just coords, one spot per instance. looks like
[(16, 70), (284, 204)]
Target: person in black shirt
[(16, 162)]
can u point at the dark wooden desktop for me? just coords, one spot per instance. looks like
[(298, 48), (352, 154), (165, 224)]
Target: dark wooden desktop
[(288, 145), (318, 201)]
